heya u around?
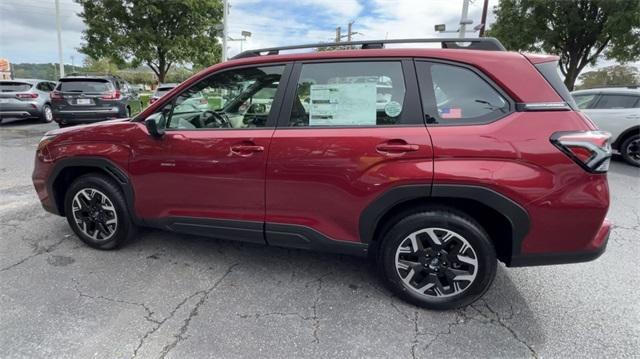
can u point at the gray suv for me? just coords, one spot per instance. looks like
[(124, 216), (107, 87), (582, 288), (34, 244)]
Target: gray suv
[(91, 98), (26, 99)]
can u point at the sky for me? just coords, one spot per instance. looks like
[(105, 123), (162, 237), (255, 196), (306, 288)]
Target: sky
[(28, 27)]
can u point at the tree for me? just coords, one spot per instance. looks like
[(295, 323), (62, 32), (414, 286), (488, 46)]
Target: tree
[(616, 75), (156, 33), (578, 31)]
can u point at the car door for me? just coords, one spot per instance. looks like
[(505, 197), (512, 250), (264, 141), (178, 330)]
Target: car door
[(206, 175), (349, 130), (615, 112)]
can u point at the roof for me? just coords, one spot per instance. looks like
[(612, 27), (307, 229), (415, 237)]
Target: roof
[(30, 81), (610, 90)]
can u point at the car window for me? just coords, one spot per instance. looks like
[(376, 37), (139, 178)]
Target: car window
[(584, 101), (617, 101), (84, 86), (460, 95), (349, 94), (7, 86), (160, 91), (239, 98)]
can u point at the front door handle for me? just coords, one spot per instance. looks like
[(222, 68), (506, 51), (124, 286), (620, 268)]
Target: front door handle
[(246, 149), (396, 147)]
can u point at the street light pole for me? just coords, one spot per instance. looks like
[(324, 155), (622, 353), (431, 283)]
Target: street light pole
[(59, 38), (225, 29), (463, 18)]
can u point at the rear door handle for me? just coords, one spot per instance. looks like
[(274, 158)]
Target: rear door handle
[(396, 148)]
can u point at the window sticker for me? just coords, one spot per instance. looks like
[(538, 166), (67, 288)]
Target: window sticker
[(343, 104), (451, 112), (392, 109)]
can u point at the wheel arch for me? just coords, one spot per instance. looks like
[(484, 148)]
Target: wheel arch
[(624, 135), (67, 170), (506, 222)]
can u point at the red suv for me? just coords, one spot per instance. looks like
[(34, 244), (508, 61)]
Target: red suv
[(437, 163)]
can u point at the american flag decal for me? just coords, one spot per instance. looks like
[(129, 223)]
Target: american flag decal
[(454, 112)]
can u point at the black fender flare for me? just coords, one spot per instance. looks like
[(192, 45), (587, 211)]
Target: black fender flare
[(515, 214), (106, 165)]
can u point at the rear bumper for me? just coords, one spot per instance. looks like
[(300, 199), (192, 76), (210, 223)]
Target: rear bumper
[(591, 251), (87, 116), (27, 110)]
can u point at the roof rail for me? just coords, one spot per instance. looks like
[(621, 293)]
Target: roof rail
[(479, 43)]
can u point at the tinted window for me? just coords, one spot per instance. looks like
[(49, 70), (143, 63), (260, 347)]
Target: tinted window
[(160, 91), (460, 95), (617, 101), (68, 85), (240, 98), (584, 101), (549, 70), (14, 86), (349, 94)]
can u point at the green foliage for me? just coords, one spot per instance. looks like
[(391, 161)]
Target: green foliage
[(617, 75), (578, 31), (157, 33)]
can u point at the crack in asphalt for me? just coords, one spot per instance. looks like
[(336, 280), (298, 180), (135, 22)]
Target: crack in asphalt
[(500, 321), (194, 312), (37, 252), (149, 312)]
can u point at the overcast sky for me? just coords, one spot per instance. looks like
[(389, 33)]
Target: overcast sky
[(28, 28)]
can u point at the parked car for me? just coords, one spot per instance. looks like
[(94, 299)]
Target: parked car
[(81, 98), (161, 90), (616, 110), (502, 167), (26, 99)]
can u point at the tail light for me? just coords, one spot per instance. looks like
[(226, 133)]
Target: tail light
[(111, 95), (27, 96), (56, 95), (590, 149)]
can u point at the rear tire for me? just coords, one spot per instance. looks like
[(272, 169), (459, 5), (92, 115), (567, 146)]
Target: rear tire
[(97, 212), (47, 114), (438, 259), (630, 150)]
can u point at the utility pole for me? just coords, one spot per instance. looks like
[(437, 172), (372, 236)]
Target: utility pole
[(483, 20), (225, 29), (463, 18), (338, 30), (349, 33), (59, 38)]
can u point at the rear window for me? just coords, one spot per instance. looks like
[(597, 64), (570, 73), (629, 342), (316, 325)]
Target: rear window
[(14, 86), (84, 86), (549, 71)]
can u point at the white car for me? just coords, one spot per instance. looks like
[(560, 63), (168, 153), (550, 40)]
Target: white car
[(615, 110)]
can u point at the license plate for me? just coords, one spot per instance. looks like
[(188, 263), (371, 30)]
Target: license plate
[(83, 101)]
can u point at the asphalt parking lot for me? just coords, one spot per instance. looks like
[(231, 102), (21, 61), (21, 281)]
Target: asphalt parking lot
[(176, 296)]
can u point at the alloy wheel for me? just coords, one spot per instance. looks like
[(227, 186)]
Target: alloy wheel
[(633, 151), (48, 114), (95, 214), (436, 262)]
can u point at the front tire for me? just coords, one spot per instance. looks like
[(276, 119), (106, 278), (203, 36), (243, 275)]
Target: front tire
[(47, 114), (97, 212), (438, 259), (630, 150)]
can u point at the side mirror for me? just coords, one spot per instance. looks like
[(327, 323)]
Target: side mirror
[(154, 130)]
